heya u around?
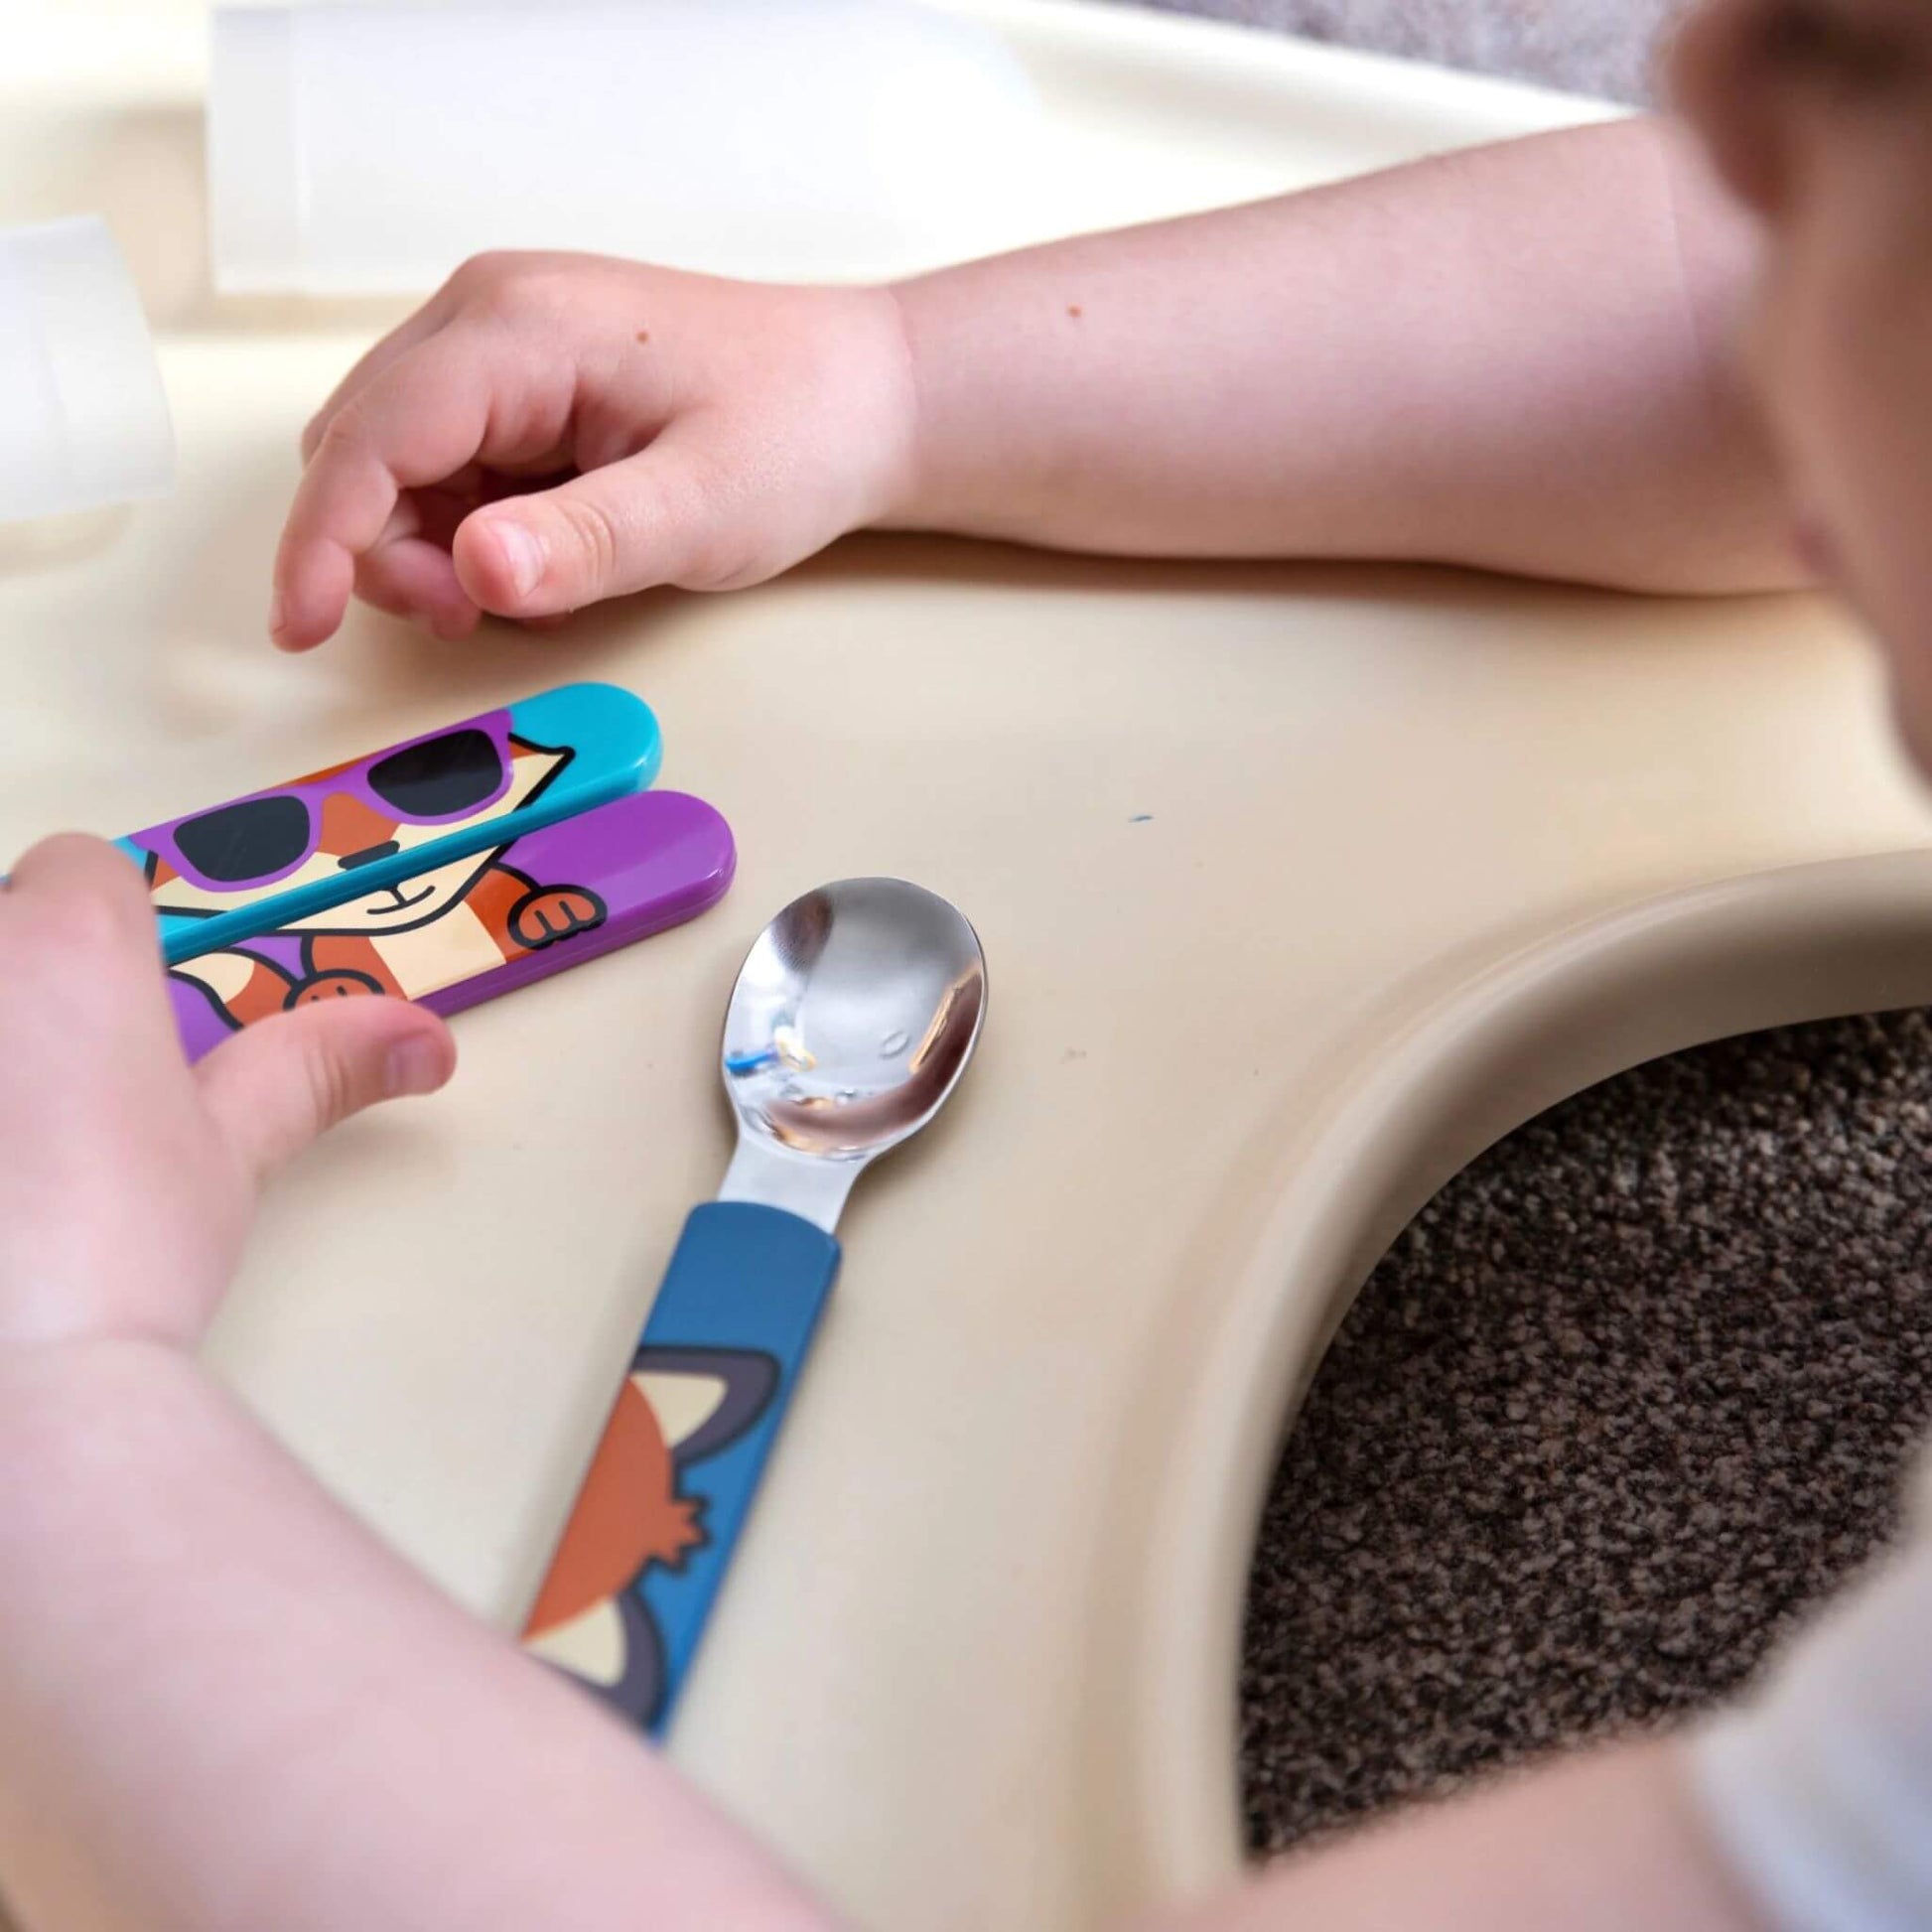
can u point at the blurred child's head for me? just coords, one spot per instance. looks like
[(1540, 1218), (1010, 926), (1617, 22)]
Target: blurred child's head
[(1819, 114)]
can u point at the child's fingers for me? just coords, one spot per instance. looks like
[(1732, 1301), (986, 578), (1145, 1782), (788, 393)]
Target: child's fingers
[(412, 577), (423, 419), (73, 879), (278, 1084), (443, 307), (430, 413), (78, 935), (664, 516), (407, 570), (398, 342)]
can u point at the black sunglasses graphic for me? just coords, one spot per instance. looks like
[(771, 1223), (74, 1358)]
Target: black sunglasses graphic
[(255, 841)]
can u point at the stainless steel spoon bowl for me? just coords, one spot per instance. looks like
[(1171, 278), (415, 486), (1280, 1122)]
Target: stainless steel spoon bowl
[(853, 1018)]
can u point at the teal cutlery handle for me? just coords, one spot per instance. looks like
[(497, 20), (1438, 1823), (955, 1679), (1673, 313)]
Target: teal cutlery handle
[(673, 1481), (348, 834)]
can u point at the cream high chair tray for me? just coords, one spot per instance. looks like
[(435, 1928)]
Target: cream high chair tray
[(1299, 885)]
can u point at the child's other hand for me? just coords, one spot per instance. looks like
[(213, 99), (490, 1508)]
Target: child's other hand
[(127, 1178), (645, 427)]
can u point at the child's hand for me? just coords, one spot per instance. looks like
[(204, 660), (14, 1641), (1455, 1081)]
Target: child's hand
[(690, 431), (127, 1178)]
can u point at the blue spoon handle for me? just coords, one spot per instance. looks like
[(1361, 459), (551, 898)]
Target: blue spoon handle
[(652, 1532)]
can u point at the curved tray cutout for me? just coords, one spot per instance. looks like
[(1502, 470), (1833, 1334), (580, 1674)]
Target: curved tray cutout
[(1462, 1066)]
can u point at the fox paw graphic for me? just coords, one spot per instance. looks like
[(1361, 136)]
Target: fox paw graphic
[(336, 985), (553, 912)]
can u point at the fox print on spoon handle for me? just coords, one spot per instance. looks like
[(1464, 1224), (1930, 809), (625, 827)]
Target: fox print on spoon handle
[(659, 1514)]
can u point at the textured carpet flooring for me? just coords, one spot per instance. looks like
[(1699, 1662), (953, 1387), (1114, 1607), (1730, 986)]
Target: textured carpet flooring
[(1639, 1385), (1632, 1392)]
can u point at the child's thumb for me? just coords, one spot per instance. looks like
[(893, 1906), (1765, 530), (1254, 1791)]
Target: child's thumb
[(652, 518), (278, 1084)]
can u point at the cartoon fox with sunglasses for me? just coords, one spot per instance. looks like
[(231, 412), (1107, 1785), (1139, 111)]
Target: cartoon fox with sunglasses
[(423, 932)]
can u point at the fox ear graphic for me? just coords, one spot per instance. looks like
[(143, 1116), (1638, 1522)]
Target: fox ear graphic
[(639, 1688), (591, 1620), (705, 1399), (613, 1650)]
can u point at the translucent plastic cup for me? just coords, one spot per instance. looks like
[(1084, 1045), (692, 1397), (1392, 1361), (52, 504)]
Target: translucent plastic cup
[(357, 149), (84, 417)]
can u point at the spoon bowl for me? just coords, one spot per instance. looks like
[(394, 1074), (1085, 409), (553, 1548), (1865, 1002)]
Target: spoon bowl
[(853, 1018)]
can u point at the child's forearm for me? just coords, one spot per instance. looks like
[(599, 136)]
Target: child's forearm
[(1516, 358), (1606, 1841), (223, 1704)]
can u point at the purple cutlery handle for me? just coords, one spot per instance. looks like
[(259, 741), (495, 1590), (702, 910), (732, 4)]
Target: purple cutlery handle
[(479, 927)]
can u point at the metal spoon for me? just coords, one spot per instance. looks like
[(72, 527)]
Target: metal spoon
[(853, 1018)]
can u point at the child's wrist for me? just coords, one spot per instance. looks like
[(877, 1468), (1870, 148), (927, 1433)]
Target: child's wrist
[(932, 485), (60, 1400), (904, 504), (37, 1378)]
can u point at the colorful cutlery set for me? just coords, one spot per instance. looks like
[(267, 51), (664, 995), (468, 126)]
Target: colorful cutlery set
[(448, 869), (465, 863)]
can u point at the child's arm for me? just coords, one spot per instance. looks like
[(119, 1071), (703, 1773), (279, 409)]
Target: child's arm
[(1516, 357), (1601, 1841), (223, 1706), (1512, 356)]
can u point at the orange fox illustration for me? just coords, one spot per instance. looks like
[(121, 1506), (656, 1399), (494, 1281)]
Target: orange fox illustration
[(408, 939), (634, 1519)]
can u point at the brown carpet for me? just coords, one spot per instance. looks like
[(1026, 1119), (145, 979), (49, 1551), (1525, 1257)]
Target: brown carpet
[(1638, 1386), (1634, 1390)]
